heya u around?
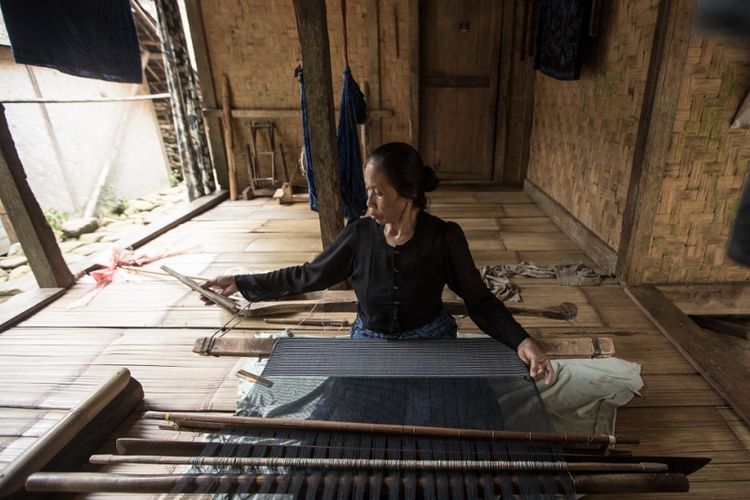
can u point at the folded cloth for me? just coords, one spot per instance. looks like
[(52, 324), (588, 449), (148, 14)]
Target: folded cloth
[(584, 396), (90, 38)]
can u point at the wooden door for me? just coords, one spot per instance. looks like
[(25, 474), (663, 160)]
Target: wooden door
[(459, 57)]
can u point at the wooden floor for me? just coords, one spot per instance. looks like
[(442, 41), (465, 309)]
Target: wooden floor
[(51, 361)]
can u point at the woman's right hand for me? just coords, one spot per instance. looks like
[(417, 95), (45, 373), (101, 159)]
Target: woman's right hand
[(225, 285)]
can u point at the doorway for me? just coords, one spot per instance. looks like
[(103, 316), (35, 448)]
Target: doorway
[(458, 60)]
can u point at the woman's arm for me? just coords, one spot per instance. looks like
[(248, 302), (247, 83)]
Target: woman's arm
[(331, 266), (489, 313)]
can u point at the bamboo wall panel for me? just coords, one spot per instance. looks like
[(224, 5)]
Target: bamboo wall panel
[(255, 43), (584, 131), (705, 171)]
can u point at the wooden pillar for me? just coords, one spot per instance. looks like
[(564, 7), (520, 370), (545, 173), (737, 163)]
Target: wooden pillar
[(5, 220), (316, 59), (208, 91), (374, 136), (655, 132), (413, 6), (26, 215)]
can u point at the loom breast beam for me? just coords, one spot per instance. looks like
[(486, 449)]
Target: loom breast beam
[(584, 348), (55, 440), (195, 420)]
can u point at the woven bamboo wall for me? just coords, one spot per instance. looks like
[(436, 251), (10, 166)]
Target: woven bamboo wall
[(706, 169), (584, 131), (255, 43)]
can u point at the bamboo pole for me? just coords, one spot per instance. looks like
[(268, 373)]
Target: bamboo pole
[(195, 420), (91, 482), (146, 97), (382, 464), (44, 449)]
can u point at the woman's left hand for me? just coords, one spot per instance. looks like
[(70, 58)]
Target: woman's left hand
[(532, 355)]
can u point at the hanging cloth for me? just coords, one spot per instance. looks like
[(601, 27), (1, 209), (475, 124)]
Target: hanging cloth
[(307, 159), (88, 38), (197, 169), (561, 31), (352, 111)]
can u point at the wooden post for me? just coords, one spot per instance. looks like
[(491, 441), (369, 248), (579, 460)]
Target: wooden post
[(373, 84), (316, 57), (413, 6), (668, 56), (5, 220), (26, 215), (208, 93), (226, 125)]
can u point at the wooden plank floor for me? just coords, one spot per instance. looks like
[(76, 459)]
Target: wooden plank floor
[(52, 360)]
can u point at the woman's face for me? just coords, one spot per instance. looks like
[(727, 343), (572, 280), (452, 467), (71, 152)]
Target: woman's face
[(384, 204)]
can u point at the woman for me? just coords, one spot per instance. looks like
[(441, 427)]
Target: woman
[(398, 258)]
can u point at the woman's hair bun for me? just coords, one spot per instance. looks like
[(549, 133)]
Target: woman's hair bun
[(431, 180)]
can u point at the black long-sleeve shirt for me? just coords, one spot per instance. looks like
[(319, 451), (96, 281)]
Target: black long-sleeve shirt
[(398, 288)]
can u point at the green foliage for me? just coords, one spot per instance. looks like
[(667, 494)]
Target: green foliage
[(175, 177), (111, 203), (55, 220)]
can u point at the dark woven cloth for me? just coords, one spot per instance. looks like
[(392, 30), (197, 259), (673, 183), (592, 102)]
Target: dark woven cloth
[(561, 31), (89, 38), (739, 244)]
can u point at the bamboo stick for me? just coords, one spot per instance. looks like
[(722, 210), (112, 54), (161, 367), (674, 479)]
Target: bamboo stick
[(254, 378), (195, 420), (382, 464), (44, 449), (92, 482)]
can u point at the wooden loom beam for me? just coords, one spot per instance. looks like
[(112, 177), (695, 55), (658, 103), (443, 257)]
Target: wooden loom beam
[(90, 482), (191, 419), (380, 464), (582, 347), (78, 434)]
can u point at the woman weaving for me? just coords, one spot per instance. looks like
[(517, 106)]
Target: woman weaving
[(398, 258)]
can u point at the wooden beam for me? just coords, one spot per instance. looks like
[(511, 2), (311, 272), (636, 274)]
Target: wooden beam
[(21, 306), (655, 130), (90, 100), (28, 220), (569, 348), (502, 117), (414, 46), (57, 439), (226, 126), (602, 255), (710, 299), (313, 36), (723, 361), (208, 91), (257, 114), (374, 134), (5, 220)]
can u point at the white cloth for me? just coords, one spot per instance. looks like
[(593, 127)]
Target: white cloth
[(584, 396)]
